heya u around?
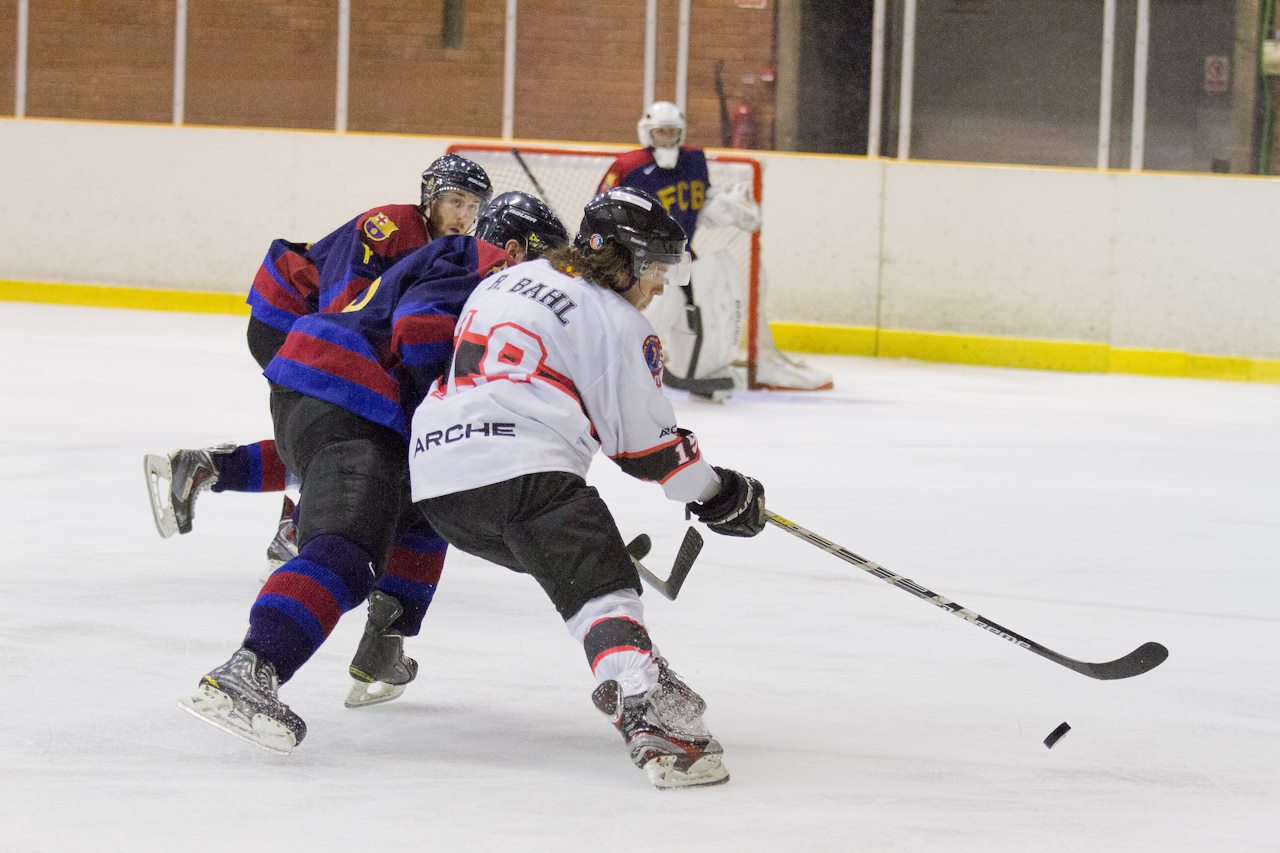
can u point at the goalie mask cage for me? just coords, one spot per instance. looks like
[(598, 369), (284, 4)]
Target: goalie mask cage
[(566, 179)]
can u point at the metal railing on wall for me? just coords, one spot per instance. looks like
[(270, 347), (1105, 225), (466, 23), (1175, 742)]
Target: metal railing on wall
[(342, 82), (876, 81)]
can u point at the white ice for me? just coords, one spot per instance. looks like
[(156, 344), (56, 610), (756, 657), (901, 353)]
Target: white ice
[(1089, 512)]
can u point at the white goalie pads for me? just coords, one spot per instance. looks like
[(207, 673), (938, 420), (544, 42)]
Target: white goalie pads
[(731, 207), (722, 304)]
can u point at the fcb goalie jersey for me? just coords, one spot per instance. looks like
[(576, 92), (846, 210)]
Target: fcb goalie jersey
[(682, 190), (547, 369)]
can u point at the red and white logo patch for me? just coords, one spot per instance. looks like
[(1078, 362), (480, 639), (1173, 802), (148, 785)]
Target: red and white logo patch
[(653, 357)]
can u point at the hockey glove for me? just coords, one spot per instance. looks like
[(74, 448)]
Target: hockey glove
[(737, 509)]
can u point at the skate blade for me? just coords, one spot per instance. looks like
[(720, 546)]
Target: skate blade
[(363, 695), (216, 708), (159, 475), (272, 565), (664, 775)]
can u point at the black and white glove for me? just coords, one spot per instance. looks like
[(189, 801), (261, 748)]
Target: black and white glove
[(737, 509)]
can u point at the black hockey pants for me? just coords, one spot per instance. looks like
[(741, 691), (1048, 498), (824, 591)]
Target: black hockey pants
[(355, 475), (550, 525)]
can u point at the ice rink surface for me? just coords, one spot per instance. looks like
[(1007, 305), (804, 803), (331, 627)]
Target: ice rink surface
[(1090, 513)]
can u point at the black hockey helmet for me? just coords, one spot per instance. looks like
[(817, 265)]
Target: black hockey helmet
[(637, 222), (520, 216), (452, 172)]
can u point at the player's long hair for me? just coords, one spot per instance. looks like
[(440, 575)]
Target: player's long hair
[(610, 267)]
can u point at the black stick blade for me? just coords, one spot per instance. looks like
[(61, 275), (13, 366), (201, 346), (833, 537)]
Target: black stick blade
[(1144, 658), (639, 547), (685, 557)]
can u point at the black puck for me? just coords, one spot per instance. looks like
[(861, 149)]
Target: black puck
[(1056, 735)]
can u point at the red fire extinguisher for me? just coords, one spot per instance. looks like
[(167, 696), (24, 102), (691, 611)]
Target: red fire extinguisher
[(742, 127)]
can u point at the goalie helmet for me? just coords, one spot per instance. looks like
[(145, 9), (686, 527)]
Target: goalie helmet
[(452, 172), (520, 216), (662, 115), (637, 222)]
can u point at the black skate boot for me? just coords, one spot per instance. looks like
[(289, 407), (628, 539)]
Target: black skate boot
[(284, 547), (664, 731), (240, 697), (380, 668), (188, 473)]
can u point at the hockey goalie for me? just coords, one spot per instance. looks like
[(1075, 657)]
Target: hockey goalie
[(703, 325)]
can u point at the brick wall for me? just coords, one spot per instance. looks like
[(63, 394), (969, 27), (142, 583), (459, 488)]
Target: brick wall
[(8, 53), (404, 80), (273, 63), (262, 63), (100, 59)]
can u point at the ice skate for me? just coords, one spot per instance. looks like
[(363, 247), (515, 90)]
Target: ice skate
[(284, 547), (240, 698), (175, 481), (380, 670), (664, 731)]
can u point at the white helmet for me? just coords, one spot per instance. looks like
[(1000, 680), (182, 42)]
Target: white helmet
[(662, 114)]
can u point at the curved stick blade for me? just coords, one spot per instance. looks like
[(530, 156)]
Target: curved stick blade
[(1144, 658), (639, 547)]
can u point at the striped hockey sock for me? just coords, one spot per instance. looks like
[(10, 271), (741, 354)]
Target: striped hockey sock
[(412, 575), (251, 468), (301, 602)]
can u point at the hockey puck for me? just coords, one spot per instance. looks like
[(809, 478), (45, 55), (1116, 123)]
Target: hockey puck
[(1056, 735)]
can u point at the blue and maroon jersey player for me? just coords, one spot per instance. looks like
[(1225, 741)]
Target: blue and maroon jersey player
[(682, 189), (297, 278), (379, 355)]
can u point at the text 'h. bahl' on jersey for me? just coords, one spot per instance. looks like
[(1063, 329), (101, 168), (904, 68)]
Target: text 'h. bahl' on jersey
[(548, 369)]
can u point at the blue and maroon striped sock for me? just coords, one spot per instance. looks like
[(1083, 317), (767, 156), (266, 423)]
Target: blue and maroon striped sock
[(251, 468), (301, 602), (412, 574)]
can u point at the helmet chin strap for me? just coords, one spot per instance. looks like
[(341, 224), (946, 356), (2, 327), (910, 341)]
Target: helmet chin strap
[(666, 157)]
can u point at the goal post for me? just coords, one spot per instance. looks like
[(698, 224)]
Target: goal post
[(566, 178)]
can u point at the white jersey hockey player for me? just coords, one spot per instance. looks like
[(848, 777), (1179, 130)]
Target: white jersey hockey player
[(552, 362)]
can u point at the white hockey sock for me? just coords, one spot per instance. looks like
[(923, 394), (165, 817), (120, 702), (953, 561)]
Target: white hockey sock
[(611, 630)]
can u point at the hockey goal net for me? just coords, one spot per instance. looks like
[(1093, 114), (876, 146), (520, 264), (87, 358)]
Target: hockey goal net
[(567, 178)]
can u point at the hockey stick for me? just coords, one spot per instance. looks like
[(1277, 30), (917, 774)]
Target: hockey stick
[(707, 387), (537, 187), (726, 133), (638, 548), (1142, 659)]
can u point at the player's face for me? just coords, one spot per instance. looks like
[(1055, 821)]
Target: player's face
[(454, 212), (665, 137), (652, 282)]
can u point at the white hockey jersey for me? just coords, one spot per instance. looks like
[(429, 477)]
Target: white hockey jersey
[(548, 368)]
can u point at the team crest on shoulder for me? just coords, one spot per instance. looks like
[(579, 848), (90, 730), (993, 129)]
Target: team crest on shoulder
[(379, 227), (653, 357)]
